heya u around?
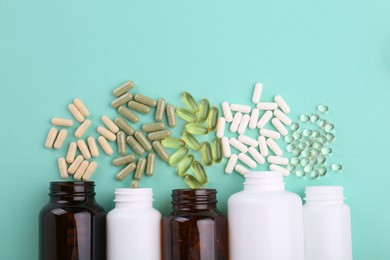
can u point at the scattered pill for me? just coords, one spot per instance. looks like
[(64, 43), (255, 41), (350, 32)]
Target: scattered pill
[(257, 93), (282, 104), (314, 118), (221, 127), (191, 141), (173, 142), (123, 160), (125, 126), (238, 145), (277, 168), (185, 164), (110, 124), (121, 142), (89, 171), (279, 126), (144, 109), (159, 135), (256, 155), (322, 108), (274, 147), (152, 127), (241, 169), (122, 174), (266, 106), (76, 113), (196, 128), (51, 137), (105, 145), (192, 182), (160, 150), (227, 113), (269, 133), (324, 151), (145, 100), (263, 146), (83, 149), (139, 171), (304, 118), (63, 168), (177, 156), (277, 160), (200, 172), (121, 100), (151, 164), (216, 150), (94, 150), (106, 133), (240, 108), (71, 152), (75, 165), (212, 119), (82, 128), (128, 114), (204, 109), (282, 117), (264, 119), (226, 147), (247, 160), (61, 122), (254, 118), (125, 87), (207, 155), (143, 141), (160, 110), (336, 167), (190, 102), (186, 115), (243, 124), (81, 170), (231, 163), (171, 116), (81, 107), (60, 139), (134, 145), (134, 184), (236, 122), (248, 140)]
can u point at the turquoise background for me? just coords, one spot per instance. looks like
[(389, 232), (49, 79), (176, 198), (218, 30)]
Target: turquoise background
[(310, 52)]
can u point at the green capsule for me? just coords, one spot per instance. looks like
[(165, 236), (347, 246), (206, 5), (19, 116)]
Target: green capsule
[(144, 109), (160, 110), (317, 145), (290, 147), (314, 174), (321, 123), (321, 159), (143, 141), (171, 116), (145, 100), (212, 119), (196, 129), (121, 100), (307, 132), (123, 160), (328, 127), (306, 153), (297, 135), (207, 156), (315, 134), (297, 151), (299, 173), (121, 142), (173, 142), (322, 139), (122, 89), (289, 139), (134, 145), (125, 171), (295, 161), (291, 167), (125, 126), (191, 141), (128, 114), (139, 171), (322, 108), (134, 184), (158, 135), (190, 102), (177, 156), (204, 109), (322, 171), (160, 150), (151, 164), (294, 127), (305, 161), (217, 150), (330, 137), (336, 167), (304, 118), (192, 182), (199, 171), (314, 118), (185, 164), (326, 150), (152, 127), (186, 115)]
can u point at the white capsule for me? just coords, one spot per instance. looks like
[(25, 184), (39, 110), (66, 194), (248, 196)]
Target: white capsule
[(247, 160), (269, 133), (236, 122), (89, 171), (105, 145), (76, 113), (279, 126), (277, 160), (93, 148), (263, 146), (257, 92), (240, 108), (60, 138), (82, 128), (241, 169), (106, 133), (51, 137), (282, 117), (243, 124), (75, 165), (81, 107), (267, 106), (71, 152), (274, 147), (61, 122), (226, 147), (231, 163), (277, 168), (254, 118), (248, 140), (83, 149), (227, 113), (110, 124), (63, 168), (256, 155), (81, 170), (282, 104), (238, 145), (264, 119), (221, 127)]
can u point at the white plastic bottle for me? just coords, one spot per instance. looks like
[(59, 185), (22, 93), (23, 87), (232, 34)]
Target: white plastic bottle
[(133, 226), (327, 224), (265, 220)]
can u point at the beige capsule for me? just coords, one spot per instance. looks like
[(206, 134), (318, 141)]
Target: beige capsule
[(121, 100), (61, 122), (89, 171), (93, 148), (122, 89), (76, 113), (134, 145), (152, 127), (105, 145), (160, 150), (83, 149), (63, 168), (75, 165), (171, 115), (144, 109), (51, 137), (110, 124), (81, 107), (145, 100), (151, 164), (71, 152), (139, 171), (144, 142), (127, 113), (121, 142), (123, 160), (82, 128), (81, 170), (134, 184), (60, 138), (158, 135), (106, 133), (160, 110), (122, 174), (126, 127)]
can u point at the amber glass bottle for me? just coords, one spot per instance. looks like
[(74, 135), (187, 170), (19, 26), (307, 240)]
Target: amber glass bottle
[(195, 230), (72, 225)]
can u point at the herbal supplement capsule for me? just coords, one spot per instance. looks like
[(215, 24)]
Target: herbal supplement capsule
[(266, 106), (196, 129), (216, 150), (294, 127), (277, 168), (263, 146), (314, 174), (160, 150), (314, 118), (279, 126), (122, 89), (269, 133), (241, 169), (326, 150), (282, 117), (299, 173), (254, 118), (173, 142), (75, 165), (304, 118), (177, 156), (63, 168), (295, 161), (105, 145), (139, 171), (227, 113), (51, 136), (212, 119), (121, 142), (243, 124), (328, 127), (121, 100), (207, 156), (192, 182), (231, 163), (152, 127), (274, 147), (71, 152), (226, 147), (128, 114), (247, 160), (61, 122), (160, 110), (122, 124), (145, 100), (290, 147), (191, 141), (93, 147), (238, 145), (221, 127), (200, 173), (151, 164), (185, 164), (256, 155), (60, 138), (190, 102), (289, 139), (122, 174), (158, 135), (248, 140), (277, 160), (336, 167), (171, 116), (89, 171), (322, 171), (82, 128), (186, 115), (81, 170), (76, 113), (134, 145), (123, 160), (257, 92), (323, 108), (236, 122), (204, 109), (134, 184), (144, 109), (264, 119), (308, 168), (282, 104), (83, 149), (81, 107), (106, 133), (244, 109), (110, 124), (307, 132), (143, 141)]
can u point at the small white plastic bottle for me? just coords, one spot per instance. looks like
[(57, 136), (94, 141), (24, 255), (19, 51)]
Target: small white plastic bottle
[(327, 224), (265, 220), (133, 226)]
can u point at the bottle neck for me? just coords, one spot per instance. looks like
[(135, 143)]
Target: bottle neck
[(264, 181), (133, 198), (72, 191), (324, 195), (194, 199)]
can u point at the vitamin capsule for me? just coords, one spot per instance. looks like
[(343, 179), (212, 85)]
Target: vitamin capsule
[(212, 119), (243, 124), (51, 136), (226, 147), (204, 109), (299, 173), (290, 147), (328, 127), (263, 146), (75, 165), (336, 167), (160, 110), (83, 149), (257, 93), (76, 113), (277, 168), (82, 128), (282, 117), (177, 156), (216, 150), (63, 168), (171, 116), (122, 89), (152, 127), (307, 132), (274, 147), (238, 145), (192, 182), (314, 174), (173, 142), (314, 118), (186, 115), (139, 171), (282, 104), (61, 122), (330, 137), (144, 109), (126, 127), (185, 164), (190, 141), (289, 139), (128, 114), (89, 171), (266, 106), (160, 150), (106, 133), (295, 161), (143, 141), (304, 118), (121, 142), (60, 139), (322, 171), (231, 163), (254, 118), (151, 164), (207, 156), (81, 170), (110, 124), (158, 135), (134, 184), (264, 119), (221, 127), (277, 160), (134, 145), (279, 126), (324, 151), (105, 145), (248, 140), (294, 127), (123, 160), (200, 173), (247, 160), (121, 100), (145, 100), (93, 147), (241, 169), (322, 108), (122, 174), (244, 109), (71, 152), (236, 122), (269, 133), (305, 161), (227, 113), (196, 129), (190, 102), (308, 168), (256, 155), (81, 107)]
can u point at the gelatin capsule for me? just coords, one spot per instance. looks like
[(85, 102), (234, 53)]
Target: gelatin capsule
[(241, 169), (274, 147), (321, 123), (60, 139), (315, 134), (254, 118), (314, 118), (134, 184), (204, 109), (308, 168), (82, 128), (89, 171), (304, 118), (160, 110), (314, 174), (151, 164), (279, 126), (123, 160), (243, 124), (212, 119), (61, 122), (105, 145), (221, 127), (121, 142), (185, 164), (177, 156), (63, 168), (110, 124), (277, 168), (191, 141), (190, 102), (269, 133), (160, 150), (291, 167), (328, 127), (125, 126), (227, 113), (139, 171), (300, 173), (297, 135), (106, 133), (196, 129), (305, 161), (244, 109), (264, 119), (263, 146), (216, 150), (238, 145), (76, 113), (289, 139), (81, 170), (247, 160), (256, 155), (330, 137), (71, 152), (171, 116), (297, 152), (307, 132), (51, 137), (231, 163), (248, 140), (278, 160), (322, 171), (75, 165), (122, 174), (83, 149), (134, 145), (290, 147), (326, 150), (282, 104), (226, 147), (121, 100), (159, 135), (152, 127), (143, 141), (294, 127), (207, 155), (94, 150), (128, 114), (321, 159), (257, 92), (200, 172), (295, 161), (173, 142), (81, 107), (282, 117), (145, 100), (186, 115), (336, 167), (144, 109), (236, 122), (125, 87), (192, 182), (266, 106), (322, 108)]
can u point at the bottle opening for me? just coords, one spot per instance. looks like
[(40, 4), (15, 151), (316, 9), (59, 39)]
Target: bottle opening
[(194, 197), (320, 193), (264, 180), (73, 188), (133, 195)]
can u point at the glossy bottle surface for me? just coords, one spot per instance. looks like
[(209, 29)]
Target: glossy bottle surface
[(72, 224)]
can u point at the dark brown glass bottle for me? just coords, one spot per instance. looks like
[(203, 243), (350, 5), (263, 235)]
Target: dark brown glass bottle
[(72, 226), (195, 230)]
